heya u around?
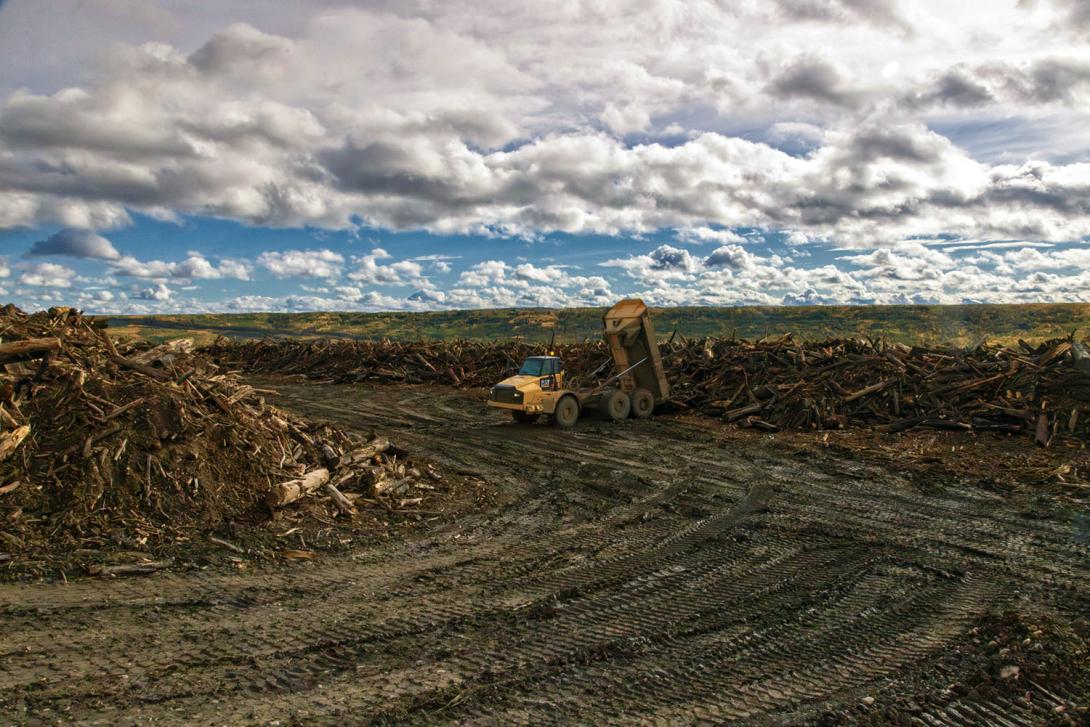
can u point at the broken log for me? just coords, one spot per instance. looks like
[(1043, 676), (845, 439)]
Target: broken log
[(339, 499), (10, 441), (122, 409), (391, 487), (154, 373), (163, 352), (329, 456), (740, 412), (97, 437), (868, 390), (1080, 356), (226, 544), (1043, 433), (290, 491), (366, 452), (900, 425), (757, 423), (28, 349), (128, 569)]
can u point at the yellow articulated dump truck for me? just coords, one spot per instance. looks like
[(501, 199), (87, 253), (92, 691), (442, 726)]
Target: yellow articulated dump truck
[(639, 384)]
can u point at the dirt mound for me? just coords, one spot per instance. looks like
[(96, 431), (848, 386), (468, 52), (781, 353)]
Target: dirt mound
[(775, 384), (139, 446)]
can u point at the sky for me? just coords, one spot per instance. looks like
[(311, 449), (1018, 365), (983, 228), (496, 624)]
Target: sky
[(165, 156)]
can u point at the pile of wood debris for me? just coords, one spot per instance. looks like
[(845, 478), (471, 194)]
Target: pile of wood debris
[(454, 363), (105, 445), (783, 383), (1041, 390)]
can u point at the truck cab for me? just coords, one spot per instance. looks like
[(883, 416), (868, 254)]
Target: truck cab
[(548, 370), (528, 391)]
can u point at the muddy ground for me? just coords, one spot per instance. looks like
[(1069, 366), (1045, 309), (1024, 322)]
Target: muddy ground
[(661, 572)]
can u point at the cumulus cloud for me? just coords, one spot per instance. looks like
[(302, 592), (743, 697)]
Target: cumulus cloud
[(795, 136), (880, 183), (369, 301), (908, 262), (498, 284), (484, 273), (868, 124), (879, 12), (914, 273), (730, 256), (159, 293), (302, 263), (368, 270), (919, 272), (664, 263), (511, 123), (910, 273), (350, 293), (194, 267), (1042, 82), (76, 243), (1032, 258), (1070, 17), (815, 79), (707, 234), (47, 275)]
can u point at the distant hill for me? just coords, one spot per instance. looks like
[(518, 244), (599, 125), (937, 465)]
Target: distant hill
[(958, 324)]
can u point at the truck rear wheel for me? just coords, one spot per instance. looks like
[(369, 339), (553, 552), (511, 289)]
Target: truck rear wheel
[(566, 413), (614, 405), (643, 403), (523, 417)]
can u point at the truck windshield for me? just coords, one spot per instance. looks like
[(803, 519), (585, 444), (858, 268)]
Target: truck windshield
[(532, 367)]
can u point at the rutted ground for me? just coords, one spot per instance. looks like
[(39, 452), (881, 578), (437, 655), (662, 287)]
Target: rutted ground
[(650, 572)]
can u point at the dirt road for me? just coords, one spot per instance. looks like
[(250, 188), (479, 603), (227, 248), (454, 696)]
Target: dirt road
[(661, 572)]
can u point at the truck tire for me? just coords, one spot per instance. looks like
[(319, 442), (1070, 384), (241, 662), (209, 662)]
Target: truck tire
[(643, 403), (614, 405), (523, 417), (566, 413)]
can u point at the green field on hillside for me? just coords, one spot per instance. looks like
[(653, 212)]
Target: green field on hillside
[(959, 324)]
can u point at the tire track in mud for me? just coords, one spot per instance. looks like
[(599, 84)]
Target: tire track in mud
[(736, 672), (647, 572), (240, 621), (254, 637)]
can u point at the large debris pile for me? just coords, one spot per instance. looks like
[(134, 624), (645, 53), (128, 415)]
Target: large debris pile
[(783, 383), (455, 363), (137, 446), (1043, 390)]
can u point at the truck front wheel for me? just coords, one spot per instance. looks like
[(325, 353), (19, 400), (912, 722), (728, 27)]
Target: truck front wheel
[(643, 403), (566, 413)]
